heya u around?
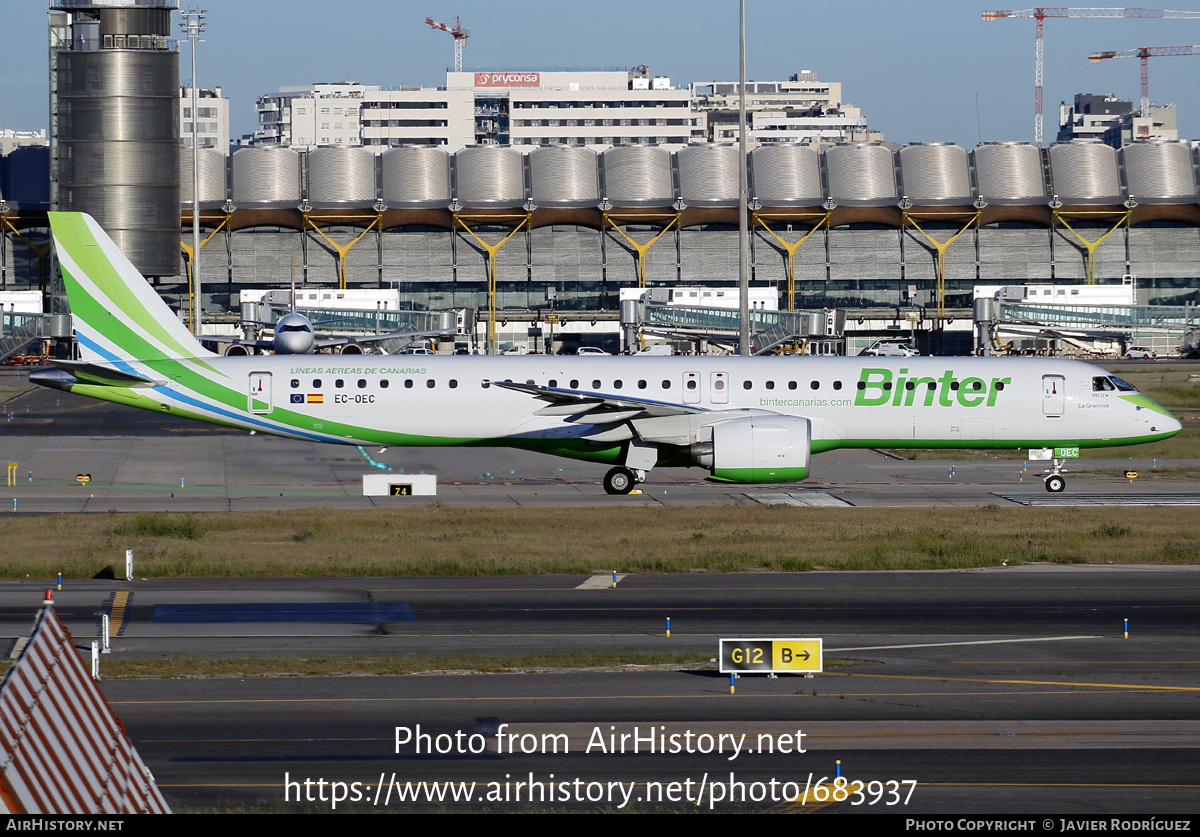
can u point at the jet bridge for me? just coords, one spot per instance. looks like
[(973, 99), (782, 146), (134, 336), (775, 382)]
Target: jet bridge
[(1163, 327), (770, 331), (19, 329)]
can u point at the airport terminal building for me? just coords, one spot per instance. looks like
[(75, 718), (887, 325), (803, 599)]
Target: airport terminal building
[(556, 190)]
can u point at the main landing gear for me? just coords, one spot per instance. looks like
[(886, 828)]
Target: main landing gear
[(623, 480)]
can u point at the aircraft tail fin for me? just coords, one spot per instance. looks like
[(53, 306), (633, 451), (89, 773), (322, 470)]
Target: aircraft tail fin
[(117, 315)]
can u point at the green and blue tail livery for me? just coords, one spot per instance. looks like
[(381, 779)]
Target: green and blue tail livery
[(118, 316)]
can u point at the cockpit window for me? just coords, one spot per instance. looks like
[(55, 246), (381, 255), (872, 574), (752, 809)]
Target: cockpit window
[(1121, 385), (1102, 384)]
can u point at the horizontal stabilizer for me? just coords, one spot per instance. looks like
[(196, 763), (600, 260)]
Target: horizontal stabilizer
[(88, 373)]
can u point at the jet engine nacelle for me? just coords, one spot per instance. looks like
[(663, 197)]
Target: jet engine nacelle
[(237, 350), (351, 349), (757, 449)]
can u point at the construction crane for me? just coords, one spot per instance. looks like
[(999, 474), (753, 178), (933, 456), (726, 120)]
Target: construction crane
[(1042, 12), (1144, 53), (460, 38)]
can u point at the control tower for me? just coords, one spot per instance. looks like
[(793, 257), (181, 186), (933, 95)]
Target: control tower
[(114, 123)]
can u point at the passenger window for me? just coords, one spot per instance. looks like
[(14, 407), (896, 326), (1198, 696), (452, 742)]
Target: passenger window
[(837, 384), (552, 383), (574, 383), (617, 384), (295, 383), (596, 384), (746, 384), (362, 383), (666, 384), (408, 383), (691, 385), (770, 385), (791, 384), (316, 383), (383, 384), (431, 383), (339, 383), (642, 384), (817, 384), (453, 383)]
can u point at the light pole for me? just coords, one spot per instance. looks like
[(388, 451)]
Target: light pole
[(743, 194), (193, 27)]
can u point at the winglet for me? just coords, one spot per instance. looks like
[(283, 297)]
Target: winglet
[(117, 315)]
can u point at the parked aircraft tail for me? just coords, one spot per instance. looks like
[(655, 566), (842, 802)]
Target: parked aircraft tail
[(117, 315)]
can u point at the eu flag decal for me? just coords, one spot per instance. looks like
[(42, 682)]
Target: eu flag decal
[(297, 398)]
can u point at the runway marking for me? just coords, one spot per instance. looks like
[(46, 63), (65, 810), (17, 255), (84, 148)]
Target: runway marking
[(116, 615), (600, 582), (1053, 785), (990, 731), (1114, 499), (969, 642), (1140, 687), (813, 588), (275, 612), (1079, 662), (808, 498), (1070, 689)]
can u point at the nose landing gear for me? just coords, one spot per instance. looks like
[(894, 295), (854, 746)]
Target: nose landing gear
[(1055, 482)]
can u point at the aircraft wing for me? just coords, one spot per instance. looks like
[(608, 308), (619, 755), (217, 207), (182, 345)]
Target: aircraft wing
[(265, 345), (621, 418), (375, 338), (596, 407)]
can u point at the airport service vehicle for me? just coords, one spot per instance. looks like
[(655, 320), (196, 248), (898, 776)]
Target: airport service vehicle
[(1140, 352), (744, 419), (890, 348)]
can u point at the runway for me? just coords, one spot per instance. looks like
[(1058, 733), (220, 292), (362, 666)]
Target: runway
[(1000, 692), (135, 461)]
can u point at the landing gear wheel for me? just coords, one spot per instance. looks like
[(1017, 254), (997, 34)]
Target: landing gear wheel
[(1055, 483), (619, 481)]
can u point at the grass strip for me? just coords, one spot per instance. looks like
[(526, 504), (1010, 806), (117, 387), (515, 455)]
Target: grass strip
[(439, 540), (341, 666)]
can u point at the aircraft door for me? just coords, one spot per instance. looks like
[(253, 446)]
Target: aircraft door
[(260, 392), (691, 387), (718, 387), (1053, 395)]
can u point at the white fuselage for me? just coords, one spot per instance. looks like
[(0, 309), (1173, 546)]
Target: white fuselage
[(915, 402)]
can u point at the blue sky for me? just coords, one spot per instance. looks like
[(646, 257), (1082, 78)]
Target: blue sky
[(917, 69)]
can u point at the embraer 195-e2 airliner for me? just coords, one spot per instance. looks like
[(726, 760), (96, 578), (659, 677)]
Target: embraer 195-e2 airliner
[(744, 419)]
